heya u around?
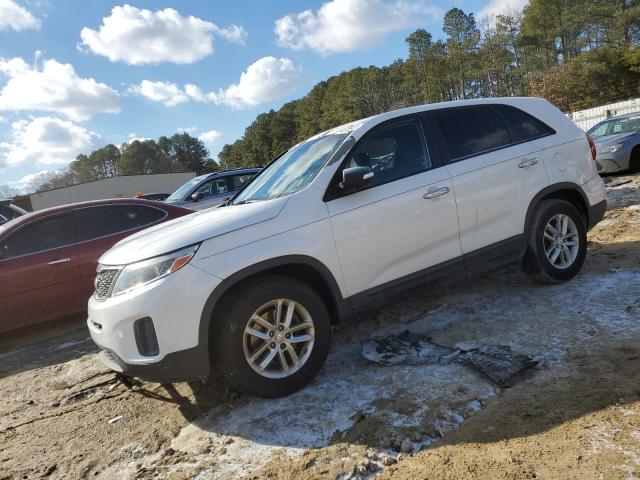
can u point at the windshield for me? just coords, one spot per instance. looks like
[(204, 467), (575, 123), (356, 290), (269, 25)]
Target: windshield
[(615, 126), (292, 171), (180, 193)]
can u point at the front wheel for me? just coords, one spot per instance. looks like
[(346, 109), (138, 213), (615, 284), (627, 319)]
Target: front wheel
[(272, 336), (557, 243)]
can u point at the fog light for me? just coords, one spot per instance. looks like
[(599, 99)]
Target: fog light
[(146, 339)]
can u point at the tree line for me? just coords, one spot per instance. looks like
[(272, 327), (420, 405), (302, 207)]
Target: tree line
[(178, 153), (575, 53)]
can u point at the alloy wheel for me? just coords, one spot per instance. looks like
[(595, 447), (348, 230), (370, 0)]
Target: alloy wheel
[(561, 241), (278, 338)]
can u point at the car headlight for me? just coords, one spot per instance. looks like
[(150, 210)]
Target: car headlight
[(142, 273), (612, 148)]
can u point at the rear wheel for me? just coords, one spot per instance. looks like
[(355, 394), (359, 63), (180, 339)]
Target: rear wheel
[(272, 336), (557, 242)]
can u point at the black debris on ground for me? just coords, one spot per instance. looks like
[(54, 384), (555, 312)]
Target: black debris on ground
[(497, 362)]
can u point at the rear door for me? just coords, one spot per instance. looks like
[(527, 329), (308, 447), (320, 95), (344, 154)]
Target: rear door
[(38, 272), (102, 226), (405, 221), (495, 173)]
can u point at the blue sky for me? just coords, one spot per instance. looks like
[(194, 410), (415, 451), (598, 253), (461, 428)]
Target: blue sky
[(77, 75)]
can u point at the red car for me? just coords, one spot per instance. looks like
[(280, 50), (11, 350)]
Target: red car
[(48, 258)]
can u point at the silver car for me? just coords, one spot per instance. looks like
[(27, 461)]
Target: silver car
[(617, 143), (211, 189)]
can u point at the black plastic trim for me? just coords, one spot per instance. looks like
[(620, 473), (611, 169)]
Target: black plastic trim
[(596, 213), (185, 365), (342, 307), (556, 187), (491, 256)]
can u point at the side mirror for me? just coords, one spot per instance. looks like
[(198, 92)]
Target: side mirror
[(356, 177), (195, 197)]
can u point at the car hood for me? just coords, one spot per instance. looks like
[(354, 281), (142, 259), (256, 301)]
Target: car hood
[(190, 229), (603, 142)]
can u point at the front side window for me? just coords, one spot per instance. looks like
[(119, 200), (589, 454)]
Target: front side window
[(184, 190), (469, 131), (293, 171), (104, 220), (393, 152), (40, 235)]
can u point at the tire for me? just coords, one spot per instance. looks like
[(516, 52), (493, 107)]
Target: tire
[(234, 347), (536, 262)]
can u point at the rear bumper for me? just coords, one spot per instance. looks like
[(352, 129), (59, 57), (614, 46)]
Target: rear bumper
[(596, 212)]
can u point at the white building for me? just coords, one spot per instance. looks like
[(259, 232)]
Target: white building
[(123, 186)]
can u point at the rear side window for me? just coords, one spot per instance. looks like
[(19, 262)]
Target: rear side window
[(523, 127), (238, 181), (217, 186), (471, 131), (9, 213), (393, 152), (105, 220), (40, 235)]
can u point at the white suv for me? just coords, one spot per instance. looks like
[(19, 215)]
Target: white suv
[(338, 223)]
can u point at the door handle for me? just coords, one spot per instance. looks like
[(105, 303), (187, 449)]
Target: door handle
[(59, 261), (436, 193), (530, 162)]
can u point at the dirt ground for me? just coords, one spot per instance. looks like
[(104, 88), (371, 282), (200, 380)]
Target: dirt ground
[(576, 415)]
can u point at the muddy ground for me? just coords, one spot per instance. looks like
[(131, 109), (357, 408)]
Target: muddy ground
[(576, 415)]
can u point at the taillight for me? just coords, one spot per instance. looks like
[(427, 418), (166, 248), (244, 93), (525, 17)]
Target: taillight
[(592, 146)]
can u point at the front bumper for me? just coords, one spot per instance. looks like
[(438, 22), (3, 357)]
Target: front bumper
[(613, 162), (190, 364), (174, 304)]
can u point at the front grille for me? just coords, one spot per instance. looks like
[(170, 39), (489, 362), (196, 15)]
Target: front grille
[(104, 280), (598, 166)]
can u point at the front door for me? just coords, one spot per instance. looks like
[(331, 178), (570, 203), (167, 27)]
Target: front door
[(405, 221), (38, 272)]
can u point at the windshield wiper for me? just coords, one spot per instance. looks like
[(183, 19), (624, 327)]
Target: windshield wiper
[(249, 200)]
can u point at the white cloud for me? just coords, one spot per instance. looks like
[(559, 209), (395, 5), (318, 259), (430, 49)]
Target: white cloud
[(46, 141), (349, 25), (16, 17), (3, 119), (494, 8), (211, 136), (169, 94), (188, 130), (265, 80), (53, 87), (138, 36)]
